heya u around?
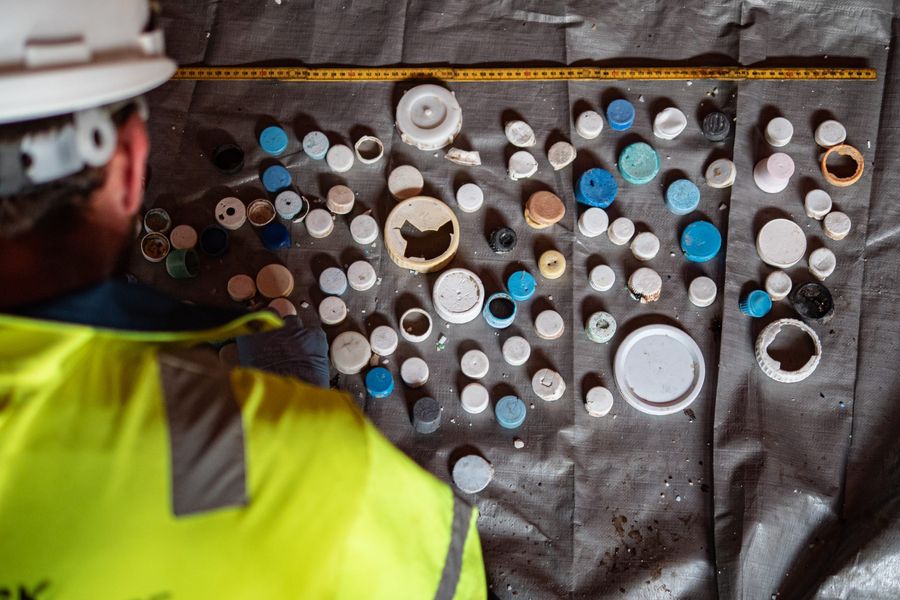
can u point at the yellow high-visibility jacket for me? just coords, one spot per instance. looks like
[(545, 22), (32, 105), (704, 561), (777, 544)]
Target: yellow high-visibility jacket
[(134, 466)]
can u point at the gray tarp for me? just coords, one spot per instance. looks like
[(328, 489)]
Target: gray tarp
[(773, 490)]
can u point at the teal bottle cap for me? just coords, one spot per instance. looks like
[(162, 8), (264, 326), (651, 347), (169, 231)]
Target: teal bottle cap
[(756, 304), (521, 286), (510, 412), (638, 163), (682, 197), (273, 140), (379, 382)]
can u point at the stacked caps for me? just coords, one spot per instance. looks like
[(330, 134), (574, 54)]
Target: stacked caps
[(544, 209)]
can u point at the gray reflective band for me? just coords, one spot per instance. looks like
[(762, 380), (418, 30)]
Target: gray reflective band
[(206, 435), (462, 513)]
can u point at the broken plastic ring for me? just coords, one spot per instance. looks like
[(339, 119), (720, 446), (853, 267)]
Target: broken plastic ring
[(369, 149), (843, 150), (772, 367)]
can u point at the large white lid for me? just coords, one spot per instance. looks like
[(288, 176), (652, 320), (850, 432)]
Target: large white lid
[(458, 295), (428, 117), (781, 243)]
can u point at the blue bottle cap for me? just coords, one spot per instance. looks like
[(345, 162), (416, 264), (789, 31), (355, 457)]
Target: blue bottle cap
[(510, 412), (214, 241), (620, 114), (638, 163), (521, 286), (379, 382), (276, 178), (499, 310), (756, 304), (273, 140), (682, 197), (701, 241), (596, 187), (315, 144), (275, 236)]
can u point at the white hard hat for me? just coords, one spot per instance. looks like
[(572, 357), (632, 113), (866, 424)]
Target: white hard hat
[(62, 56)]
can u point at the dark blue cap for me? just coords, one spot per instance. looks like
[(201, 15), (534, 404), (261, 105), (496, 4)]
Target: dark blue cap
[(596, 187), (756, 304), (701, 241), (273, 140), (620, 114), (682, 197), (510, 412), (426, 415), (379, 382), (276, 178), (521, 286), (275, 236), (214, 240)]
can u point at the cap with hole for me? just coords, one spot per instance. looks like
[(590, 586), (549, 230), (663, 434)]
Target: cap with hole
[(721, 173), (474, 364), (458, 295), (415, 325), (332, 311), (230, 213), (645, 285), (428, 117), (601, 327)]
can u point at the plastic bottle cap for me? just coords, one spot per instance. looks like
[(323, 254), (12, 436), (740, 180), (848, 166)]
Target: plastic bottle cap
[(214, 240), (474, 398), (260, 212), (620, 231), (813, 302), (474, 364), (756, 304), (602, 278), (276, 178), (275, 236), (549, 325), (721, 173), (274, 281), (339, 158), (830, 133), (405, 182), (183, 237), (779, 132), (379, 382), (182, 264), (548, 385), (155, 247), (340, 199), (364, 229), (289, 205), (682, 197), (772, 367), (702, 291), (350, 352), (510, 412), (781, 243), (620, 114), (716, 126), (283, 307), (369, 149), (228, 158), (778, 285), (638, 163), (319, 223), (669, 123), (593, 222), (701, 241), (601, 327), (414, 372), (596, 187), (471, 474), (598, 402), (428, 117), (458, 295), (645, 285), (426, 415), (589, 124), (561, 155), (315, 145), (822, 263), (516, 351), (521, 165), (333, 281), (157, 220), (543, 209), (499, 310), (836, 225), (273, 140), (231, 213), (241, 288), (503, 240), (521, 286), (817, 204), (552, 264), (842, 150), (332, 311), (469, 197), (519, 134), (383, 340), (773, 174), (415, 325), (361, 276), (645, 246)]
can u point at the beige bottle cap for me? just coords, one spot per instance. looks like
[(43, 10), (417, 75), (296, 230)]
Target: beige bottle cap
[(364, 229), (332, 311), (598, 402), (778, 285), (383, 340), (432, 218), (721, 173), (552, 264), (779, 132), (836, 225), (283, 307), (645, 246), (241, 288), (350, 352), (405, 182), (549, 325), (361, 276), (589, 124), (781, 243), (548, 385), (230, 213), (544, 208), (340, 199), (702, 291), (620, 231), (561, 155), (275, 281), (602, 278), (319, 223), (645, 285), (822, 262), (414, 372), (475, 364), (183, 237), (339, 158), (519, 134), (516, 351), (469, 197), (817, 204), (521, 165)]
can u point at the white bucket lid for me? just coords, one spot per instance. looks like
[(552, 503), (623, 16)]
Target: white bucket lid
[(428, 117), (458, 295)]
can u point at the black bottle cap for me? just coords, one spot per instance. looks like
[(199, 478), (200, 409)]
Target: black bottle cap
[(228, 158), (503, 240), (813, 302), (716, 126)]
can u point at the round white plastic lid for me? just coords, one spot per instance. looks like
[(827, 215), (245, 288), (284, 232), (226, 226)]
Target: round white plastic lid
[(778, 285), (474, 364), (428, 117), (458, 295), (340, 199), (332, 310), (414, 372), (241, 288), (383, 340), (646, 284), (469, 197), (364, 229), (602, 278), (361, 276), (781, 243), (598, 402), (520, 134), (522, 165), (405, 181), (659, 369), (669, 123), (721, 173), (516, 351), (474, 398), (549, 325), (620, 231), (350, 352), (471, 474), (339, 158), (183, 237), (589, 124), (822, 262), (830, 133), (283, 307), (702, 291), (645, 246), (836, 225), (593, 222), (548, 385), (407, 330), (817, 204), (779, 132), (231, 213), (561, 155), (319, 223), (333, 281)]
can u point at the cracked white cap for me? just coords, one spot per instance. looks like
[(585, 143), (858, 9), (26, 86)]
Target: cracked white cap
[(822, 262), (772, 367), (645, 285), (548, 385), (721, 173), (520, 134), (522, 165)]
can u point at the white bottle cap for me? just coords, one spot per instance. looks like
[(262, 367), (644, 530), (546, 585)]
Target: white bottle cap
[(183, 237), (561, 155), (361, 276), (781, 243), (669, 123), (520, 134), (516, 351), (241, 288), (593, 222), (778, 285), (822, 263), (288, 203), (332, 311), (645, 246), (231, 213), (319, 223), (458, 295), (283, 307), (364, 229), (549, 325), (830, 133), (773, 174), (522, 165), (339, 158), (415, 325), (620, 231), (779, 132), (369, 149), (645, 285), (836, 225), (548, 385), (721, 173), (405, 182), (702, 291), (340, 199), (414, 372), (333, 281), (383, 340), (469, 197), (472, 473), (474, 398), (428, 117), (817, 204), (275, 281), (350, 352), (474, 364), (598, 402), (589, 124), (602, 278)]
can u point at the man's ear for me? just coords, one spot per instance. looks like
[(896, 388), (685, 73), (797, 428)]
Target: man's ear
[(131, 152)]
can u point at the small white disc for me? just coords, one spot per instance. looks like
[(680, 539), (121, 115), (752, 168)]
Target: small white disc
[(645, 246), (598, 402), (549, 325), (319, 223), (384, 340), (361, 276), (364, 229), (414, 372), (475, 364), (620, 231), (645, 285), (469, 197), (602, 278), (474, 398), (702, 291), (516, 351), (778, 285), (332, 311), (339, 158), (593, 222), (781, 243), (333, 281), (589, 124)]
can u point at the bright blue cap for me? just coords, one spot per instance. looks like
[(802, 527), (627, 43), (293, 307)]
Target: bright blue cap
[(638, 163), (315, 144), (756, 304), (499, 310), (273, 140), (682, 197), (379, 382), (510, 412), (521, 286), (596, 187), (620, 114), (275, 236), (701, 241), (276, 178)]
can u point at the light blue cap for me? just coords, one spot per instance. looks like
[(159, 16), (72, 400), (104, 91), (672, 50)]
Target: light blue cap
[(501, 321), (682, 197), (756, 304), (521, 285), (315, 144), (620, 114), (510, 412), (701, 241), (638, 163), (273, 140), (596, 187), (276, 178), (379, 382)]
